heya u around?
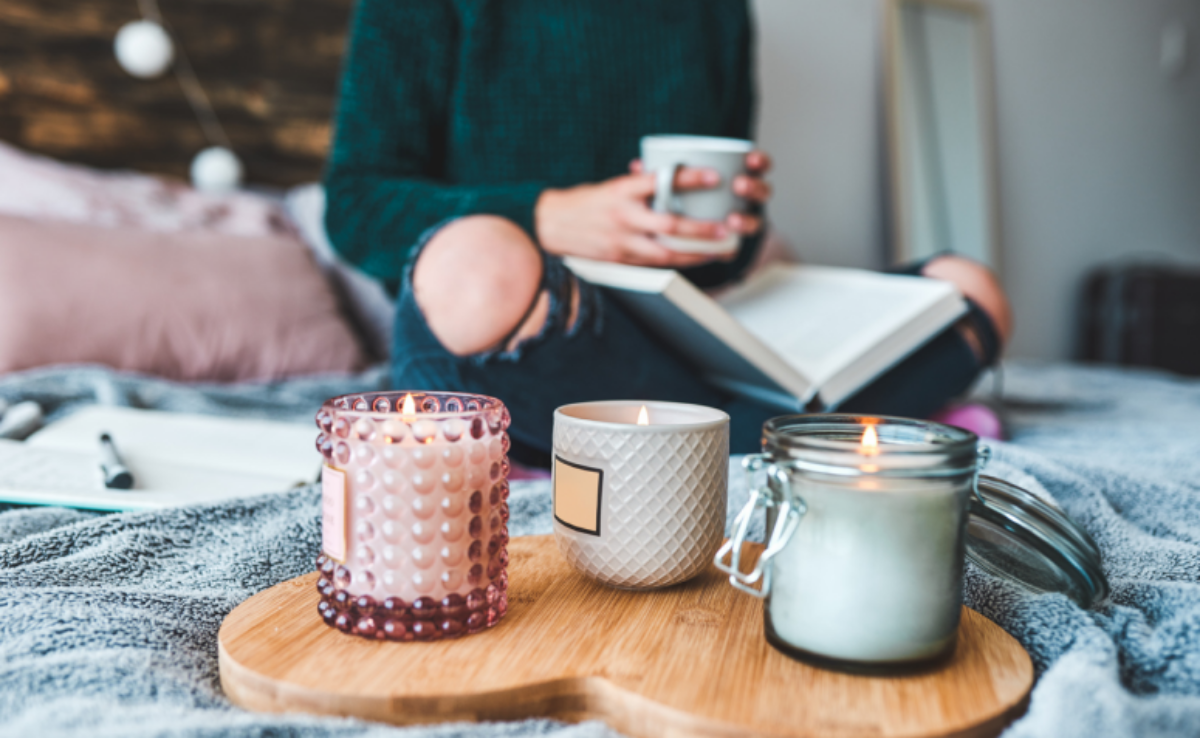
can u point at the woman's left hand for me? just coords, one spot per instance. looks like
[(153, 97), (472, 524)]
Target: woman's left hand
[(755, 189), (751, 185)]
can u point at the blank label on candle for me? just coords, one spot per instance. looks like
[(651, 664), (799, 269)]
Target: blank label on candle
[(333, 513), (577, 492)]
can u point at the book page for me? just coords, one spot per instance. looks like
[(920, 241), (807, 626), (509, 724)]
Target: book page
[(790, 336), (822, 319), (701, 331)]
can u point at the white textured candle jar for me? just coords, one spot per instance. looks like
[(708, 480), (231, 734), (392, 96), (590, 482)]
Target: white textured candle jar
[(640, 505), (866, 520)]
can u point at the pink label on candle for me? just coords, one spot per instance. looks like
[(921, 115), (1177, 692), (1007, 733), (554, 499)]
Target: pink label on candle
[(333, 513)]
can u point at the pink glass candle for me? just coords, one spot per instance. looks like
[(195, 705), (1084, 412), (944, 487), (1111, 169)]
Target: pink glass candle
[(414, 518)]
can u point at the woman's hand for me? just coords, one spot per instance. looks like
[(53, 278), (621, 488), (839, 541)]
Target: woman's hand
[(755, 189), (750, 186), (612, 221)]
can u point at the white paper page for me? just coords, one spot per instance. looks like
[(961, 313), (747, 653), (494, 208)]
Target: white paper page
[(148, 437), (821, 319), (37, 475)]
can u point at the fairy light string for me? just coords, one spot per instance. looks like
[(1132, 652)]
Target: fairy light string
[(196, 97)]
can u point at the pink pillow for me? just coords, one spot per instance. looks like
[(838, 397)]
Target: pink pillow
[(188, 306)]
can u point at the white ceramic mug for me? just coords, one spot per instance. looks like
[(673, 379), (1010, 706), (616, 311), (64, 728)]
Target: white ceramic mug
[(666, 155)]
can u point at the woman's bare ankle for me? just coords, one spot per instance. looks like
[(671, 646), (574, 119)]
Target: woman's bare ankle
[(977, 282)]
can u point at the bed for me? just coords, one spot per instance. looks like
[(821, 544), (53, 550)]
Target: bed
[(108, 623)]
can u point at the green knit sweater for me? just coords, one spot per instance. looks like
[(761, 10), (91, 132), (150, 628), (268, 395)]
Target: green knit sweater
[(459, 107)]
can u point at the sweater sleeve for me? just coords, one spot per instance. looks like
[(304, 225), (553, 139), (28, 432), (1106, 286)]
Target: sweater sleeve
[(384, 180)]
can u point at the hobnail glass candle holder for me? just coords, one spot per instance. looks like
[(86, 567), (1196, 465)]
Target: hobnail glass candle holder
[(414, 526)]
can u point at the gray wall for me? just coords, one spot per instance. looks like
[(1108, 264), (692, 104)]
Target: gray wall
[(1099, 150)]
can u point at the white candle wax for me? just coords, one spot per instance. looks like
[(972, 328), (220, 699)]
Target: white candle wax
[(873, 572)]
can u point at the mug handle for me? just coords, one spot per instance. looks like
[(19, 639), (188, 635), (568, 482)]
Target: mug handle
[(791, 510), (664, 188)]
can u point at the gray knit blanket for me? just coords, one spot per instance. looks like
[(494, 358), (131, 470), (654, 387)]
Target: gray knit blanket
[(108, 623)]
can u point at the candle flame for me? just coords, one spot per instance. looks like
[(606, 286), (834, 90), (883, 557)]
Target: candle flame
[(408, 407), (643, 416), (870, 442)]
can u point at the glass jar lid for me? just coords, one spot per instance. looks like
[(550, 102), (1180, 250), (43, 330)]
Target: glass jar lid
[(1011, 533), (1017, 536)]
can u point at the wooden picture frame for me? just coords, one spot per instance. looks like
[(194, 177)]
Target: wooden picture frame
[(909, 241)]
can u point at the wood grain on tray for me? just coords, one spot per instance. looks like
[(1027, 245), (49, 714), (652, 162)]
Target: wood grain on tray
[(686, 660)]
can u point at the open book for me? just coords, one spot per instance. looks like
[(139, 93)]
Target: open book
[(176, 459), (793, 337)]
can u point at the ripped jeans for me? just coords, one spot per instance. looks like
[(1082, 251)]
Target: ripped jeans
[(608, 355)]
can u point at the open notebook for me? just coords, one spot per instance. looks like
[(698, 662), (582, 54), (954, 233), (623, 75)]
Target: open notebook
[(176, 459), (793, 337)]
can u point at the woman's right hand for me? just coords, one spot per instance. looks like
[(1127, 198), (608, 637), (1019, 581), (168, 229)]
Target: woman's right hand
[(612, 221)]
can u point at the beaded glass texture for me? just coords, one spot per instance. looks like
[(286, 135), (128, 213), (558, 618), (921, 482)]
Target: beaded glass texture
[(423, 514)]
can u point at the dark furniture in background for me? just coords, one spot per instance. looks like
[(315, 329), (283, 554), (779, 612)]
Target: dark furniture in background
[(270, 68), (1143, 315)]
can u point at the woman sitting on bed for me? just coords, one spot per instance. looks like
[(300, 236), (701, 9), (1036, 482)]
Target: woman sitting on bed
[(479, 142)]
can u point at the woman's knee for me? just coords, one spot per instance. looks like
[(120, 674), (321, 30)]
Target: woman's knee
[(978, 283), (475, 281)]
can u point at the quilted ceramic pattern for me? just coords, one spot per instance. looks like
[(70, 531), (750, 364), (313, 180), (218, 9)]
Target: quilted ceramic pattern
[(662, 506)]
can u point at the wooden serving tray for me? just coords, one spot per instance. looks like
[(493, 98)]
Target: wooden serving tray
[(686, 660)]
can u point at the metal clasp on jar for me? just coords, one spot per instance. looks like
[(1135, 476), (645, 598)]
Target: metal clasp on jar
[(788, 511)]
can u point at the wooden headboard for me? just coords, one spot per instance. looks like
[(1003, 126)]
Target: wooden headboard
[(270, 68)]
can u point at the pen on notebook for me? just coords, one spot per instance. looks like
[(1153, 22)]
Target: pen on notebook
[(116, 474)]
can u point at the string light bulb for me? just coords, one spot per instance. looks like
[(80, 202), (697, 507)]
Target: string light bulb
[(216, 169), (144, 49)]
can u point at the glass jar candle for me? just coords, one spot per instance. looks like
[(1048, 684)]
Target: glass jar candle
[(866, 520), (414, 519)]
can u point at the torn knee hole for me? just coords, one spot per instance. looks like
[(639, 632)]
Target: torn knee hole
[(573, 300), (533, 324), (542, 316)]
